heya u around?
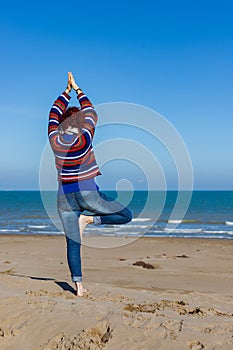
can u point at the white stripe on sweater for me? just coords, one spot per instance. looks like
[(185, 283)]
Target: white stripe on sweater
[(53, 132), (59, 110), (79, 172), (65, 98), (89, 118), (53, 120), (88, 132)]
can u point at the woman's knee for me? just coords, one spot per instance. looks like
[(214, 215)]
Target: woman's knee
[(127, 215)]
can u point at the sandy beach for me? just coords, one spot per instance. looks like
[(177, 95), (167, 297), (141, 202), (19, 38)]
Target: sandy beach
[(155, 293)]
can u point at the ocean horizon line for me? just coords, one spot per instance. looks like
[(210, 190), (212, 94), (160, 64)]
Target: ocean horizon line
[(114, 190)]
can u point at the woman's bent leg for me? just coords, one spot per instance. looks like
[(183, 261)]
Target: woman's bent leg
[(119, 218), (105, 209)]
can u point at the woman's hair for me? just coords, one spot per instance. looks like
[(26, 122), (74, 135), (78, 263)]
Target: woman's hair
[(71, 118), (75, 117)]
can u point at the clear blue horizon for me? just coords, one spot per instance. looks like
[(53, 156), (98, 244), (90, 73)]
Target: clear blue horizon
[(173, 57)]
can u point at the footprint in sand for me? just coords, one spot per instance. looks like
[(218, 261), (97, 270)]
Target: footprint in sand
[(178, 306), (18, 323), (146, 321), (157, 306), (43, 292), (94, 338), (173, 327), (7, 333), (195, 345)]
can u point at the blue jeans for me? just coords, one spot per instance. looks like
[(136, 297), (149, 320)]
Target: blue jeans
[(104, 209)]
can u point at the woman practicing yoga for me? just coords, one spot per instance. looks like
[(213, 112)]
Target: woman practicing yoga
[(71, 131)]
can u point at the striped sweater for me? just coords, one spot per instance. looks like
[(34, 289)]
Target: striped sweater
[(75, 160)]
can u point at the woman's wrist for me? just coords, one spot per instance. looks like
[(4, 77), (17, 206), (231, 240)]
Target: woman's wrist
[(68, 90), (78, 90)]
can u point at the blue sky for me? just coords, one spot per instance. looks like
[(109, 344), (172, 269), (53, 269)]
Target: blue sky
[(175, 57)]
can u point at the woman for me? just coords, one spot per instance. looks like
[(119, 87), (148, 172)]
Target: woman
[(71, 133)]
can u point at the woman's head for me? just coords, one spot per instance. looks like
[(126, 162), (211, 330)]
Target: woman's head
[(71, 118)]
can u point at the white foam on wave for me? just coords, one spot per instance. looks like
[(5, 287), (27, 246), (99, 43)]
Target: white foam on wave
[(140, 219), (50, 233), (220, 232), (133, 226), (9, 230), (53, 232), (101, 229), (37, 226), (178, 230), (174, 221), (229, 223), (130, 234), (183, 221)]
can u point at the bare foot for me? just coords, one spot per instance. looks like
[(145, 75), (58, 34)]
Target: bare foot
[(83, 221), (80, 290)]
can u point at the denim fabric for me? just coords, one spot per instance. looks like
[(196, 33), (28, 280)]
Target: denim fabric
[(105, 211), (84, 185)]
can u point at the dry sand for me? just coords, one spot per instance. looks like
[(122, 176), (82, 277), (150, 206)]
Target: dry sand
[(151, 294)]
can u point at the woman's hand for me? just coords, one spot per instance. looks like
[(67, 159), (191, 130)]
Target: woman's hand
[(73, 82), (69, 84)]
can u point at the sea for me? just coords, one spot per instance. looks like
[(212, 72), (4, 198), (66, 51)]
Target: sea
[(200, 214)]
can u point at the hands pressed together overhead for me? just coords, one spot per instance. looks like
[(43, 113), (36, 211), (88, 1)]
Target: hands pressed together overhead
[(71, 84)]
